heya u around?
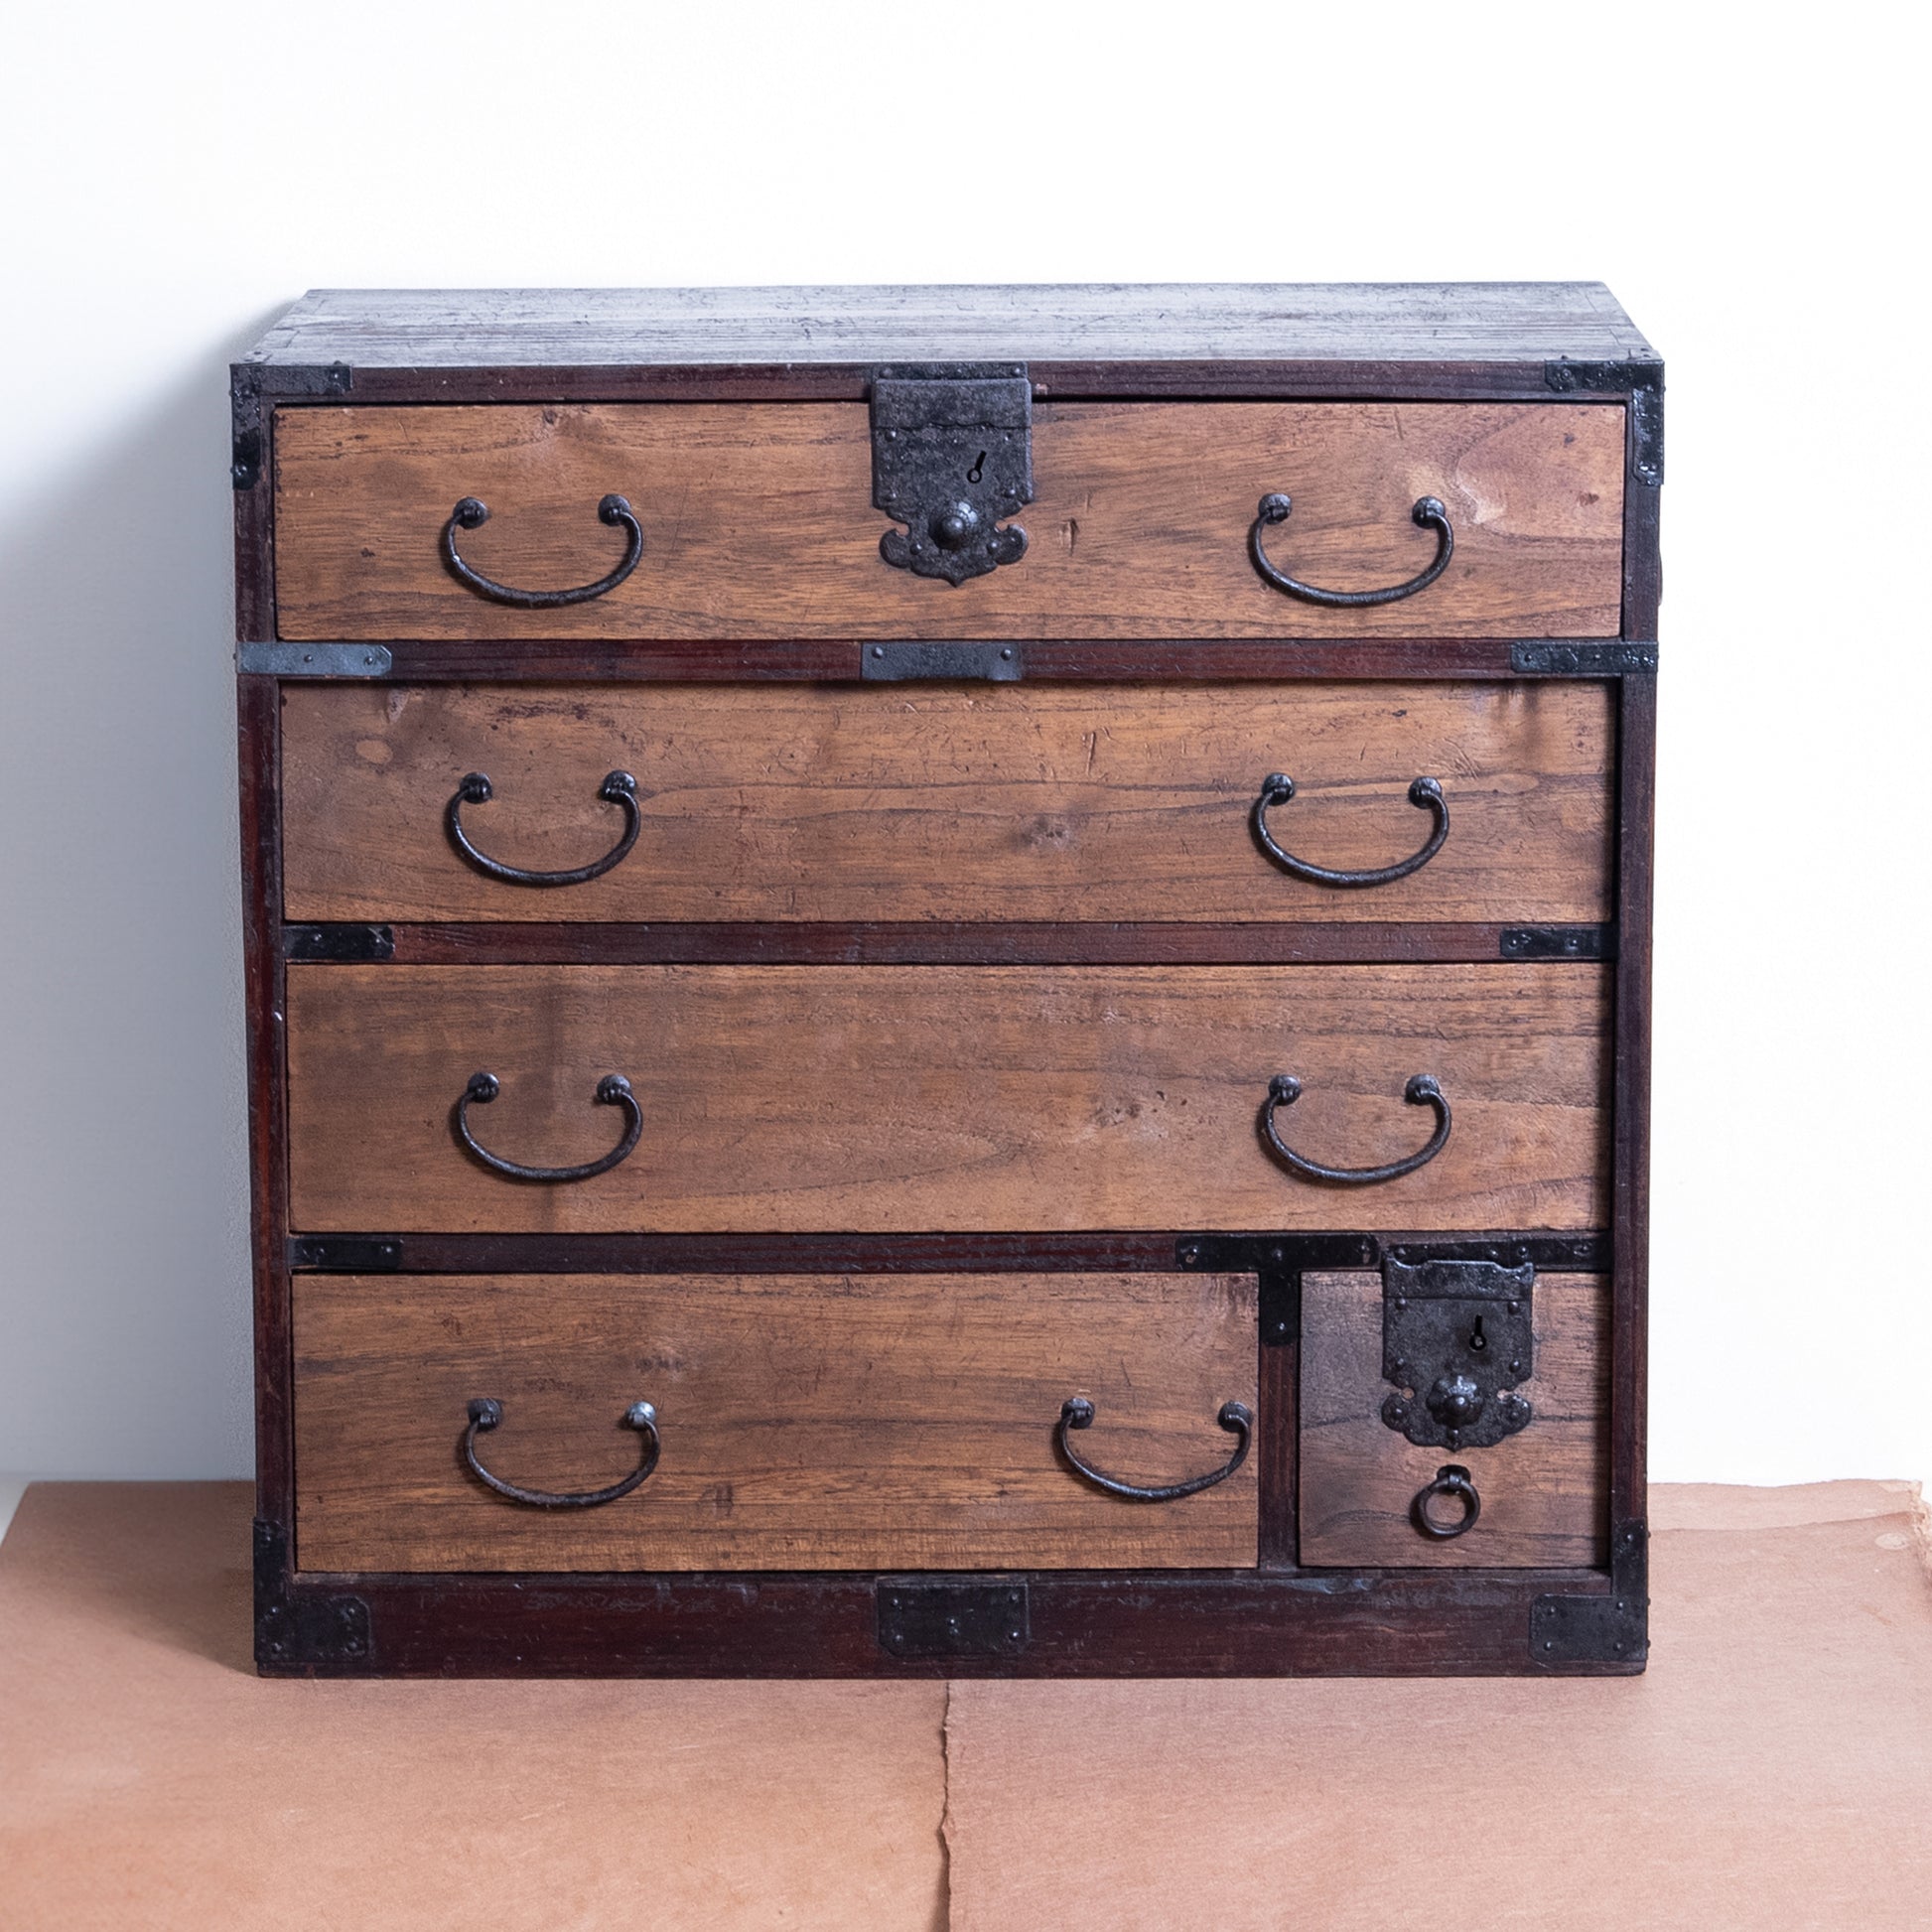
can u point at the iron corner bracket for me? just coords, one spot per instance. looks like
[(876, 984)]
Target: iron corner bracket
[(315, 1632), (252, 384), (278, 380), (1643, 384), (1608, 1627)]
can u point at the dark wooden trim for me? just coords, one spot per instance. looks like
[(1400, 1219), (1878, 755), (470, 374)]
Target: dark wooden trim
[(553, 660), (1059, 381), (258, 709), (1630, 1102), (1240, 1624), (947, 1253), (984, 943), (254, 522), (1277, 1452)]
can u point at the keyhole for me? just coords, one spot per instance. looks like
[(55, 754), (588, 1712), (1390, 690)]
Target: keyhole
[(979, 463), (1479, 1341)]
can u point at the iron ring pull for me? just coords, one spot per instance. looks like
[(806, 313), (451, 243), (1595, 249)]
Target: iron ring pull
[(1427, 514), (1077, 1413), (618, 788), (1285, 1089), (1451, 1479), (1425, 794), (485, 1412), (614, 1090), (470, 513)]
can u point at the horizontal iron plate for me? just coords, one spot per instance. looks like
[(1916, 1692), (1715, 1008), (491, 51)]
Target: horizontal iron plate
[(340, 945), (895, 664), (1544, 657), (1557, 942), (927, 1618), (312, 661), (347, 1254)]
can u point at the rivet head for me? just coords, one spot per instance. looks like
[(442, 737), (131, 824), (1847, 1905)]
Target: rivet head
[(955, 526)]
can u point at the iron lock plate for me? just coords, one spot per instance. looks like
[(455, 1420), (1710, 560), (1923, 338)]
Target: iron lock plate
[(951, 1617), (952, 452), (1458, 1334)]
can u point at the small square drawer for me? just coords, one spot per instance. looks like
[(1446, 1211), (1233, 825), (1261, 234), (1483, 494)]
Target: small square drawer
[(949, 1421), (1535, 1499), (756, 520)]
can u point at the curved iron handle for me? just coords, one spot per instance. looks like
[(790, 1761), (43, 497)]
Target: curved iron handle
[(618, 788), (470, 513), (1429, 514), (1451, 1479), (485, 1412), (1077, 1413), (614, 1090), (1285, 1089), (1278, 788)]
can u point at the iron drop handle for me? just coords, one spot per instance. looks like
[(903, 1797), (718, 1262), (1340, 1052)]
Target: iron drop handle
[(1427, 514), (1425, 794), (1285, 1089), (1451, 1479), (470, 513), (486, 1413), (618, 788), (1077, 1413), (614, 1090)]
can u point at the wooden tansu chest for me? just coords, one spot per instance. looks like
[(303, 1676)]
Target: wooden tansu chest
[(949, 980)]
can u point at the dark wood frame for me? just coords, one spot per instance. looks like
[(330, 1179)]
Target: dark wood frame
[(1277, 1619)]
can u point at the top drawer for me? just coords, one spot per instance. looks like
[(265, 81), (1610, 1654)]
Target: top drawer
[(757, 522)]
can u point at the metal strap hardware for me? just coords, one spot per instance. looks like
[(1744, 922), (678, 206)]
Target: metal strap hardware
[(312, 661), (952, 452), (899, 663), (928, 1618), (1458, 1336)]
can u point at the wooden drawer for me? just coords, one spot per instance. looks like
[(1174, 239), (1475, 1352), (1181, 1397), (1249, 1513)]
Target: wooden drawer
[(1050, 803), (804, 1422), (787, 1098), (1544, 1494), (757, 521)]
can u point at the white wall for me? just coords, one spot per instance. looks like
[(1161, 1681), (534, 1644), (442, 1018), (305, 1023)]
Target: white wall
[(174, 174)]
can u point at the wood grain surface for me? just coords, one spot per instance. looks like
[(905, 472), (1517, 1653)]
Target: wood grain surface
[(757, 521), (1545, 1491), (900, 1099), (807, 1421), (1374, 323), (1010, 802)]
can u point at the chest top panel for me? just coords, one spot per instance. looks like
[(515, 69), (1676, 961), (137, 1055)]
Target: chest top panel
[(1077, 322)]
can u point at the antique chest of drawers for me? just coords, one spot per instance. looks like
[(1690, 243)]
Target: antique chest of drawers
[(949, 980)]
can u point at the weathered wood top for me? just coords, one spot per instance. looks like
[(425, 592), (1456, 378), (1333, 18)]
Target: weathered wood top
[(1361, 322)]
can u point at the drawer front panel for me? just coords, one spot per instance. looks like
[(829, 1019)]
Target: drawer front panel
[(782, 1099), (799, 802), (757, 521), (1544, 1492), (811, 1422)]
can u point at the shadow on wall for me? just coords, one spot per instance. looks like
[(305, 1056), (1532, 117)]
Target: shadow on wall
[(124, 1298)]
